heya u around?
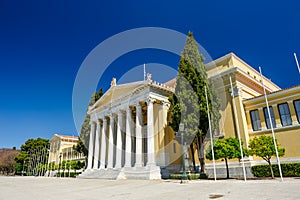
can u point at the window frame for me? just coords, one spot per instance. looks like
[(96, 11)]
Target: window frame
[(255, 122), (285, 118), (297, 111), (266, 115)]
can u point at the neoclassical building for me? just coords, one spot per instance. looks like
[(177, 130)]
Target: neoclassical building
[(130, 136), (61, 148)]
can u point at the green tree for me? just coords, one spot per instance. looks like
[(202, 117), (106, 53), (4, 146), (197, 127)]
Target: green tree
[(76, 165), (85, 128), (264, 147), (188, 104), (81, 148), (32, 150), (84, 137), (226, 149), (52, 166)]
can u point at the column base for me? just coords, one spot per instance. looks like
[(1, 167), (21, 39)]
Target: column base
[(137, 165), (145, 173)]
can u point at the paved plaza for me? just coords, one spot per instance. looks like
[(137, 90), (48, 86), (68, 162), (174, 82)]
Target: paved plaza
[(40, 188)]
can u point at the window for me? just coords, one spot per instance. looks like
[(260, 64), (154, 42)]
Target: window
[(255, 120), (284, 113), (267, 117), (297, 109)]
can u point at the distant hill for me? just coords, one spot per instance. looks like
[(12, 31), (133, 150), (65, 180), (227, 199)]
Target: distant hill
[(7, 161)]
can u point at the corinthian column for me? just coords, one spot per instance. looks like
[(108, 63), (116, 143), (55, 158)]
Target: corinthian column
[(110, 143), (150, 132), (138, 135), (97, 139), (91, 146), (128, 138), (103, 144), (119, 140)]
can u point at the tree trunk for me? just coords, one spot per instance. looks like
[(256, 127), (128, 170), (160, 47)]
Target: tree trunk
[(201, 154), (86, 161), (193, 156), (270, 165), (227, 169)]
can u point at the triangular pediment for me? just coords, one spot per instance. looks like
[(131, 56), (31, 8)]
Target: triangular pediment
[(118, 91)]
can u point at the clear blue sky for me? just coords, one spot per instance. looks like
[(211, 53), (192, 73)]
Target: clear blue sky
[(43, 43)]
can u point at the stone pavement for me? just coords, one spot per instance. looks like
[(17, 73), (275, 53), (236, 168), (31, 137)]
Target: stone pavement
[(40, 188)]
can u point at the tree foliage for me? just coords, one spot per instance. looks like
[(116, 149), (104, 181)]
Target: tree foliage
[(84, 137), (85, 128), (7, 161), (226, 149), (264, 147), (31, 149), (188, 104), (80, 147)]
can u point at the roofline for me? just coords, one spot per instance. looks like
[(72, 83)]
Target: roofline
[(231, 54), (290, 89), (113, 87)]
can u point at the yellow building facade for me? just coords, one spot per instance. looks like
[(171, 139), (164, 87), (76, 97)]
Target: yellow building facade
[(130, 136), (61, 148)]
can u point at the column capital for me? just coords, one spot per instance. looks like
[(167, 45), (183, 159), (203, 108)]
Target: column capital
[(112, 115), (164, 104), (104, 119), (98, 122), (122, 111), (237, 91), (138, 106), (92, 122), (150, 100)]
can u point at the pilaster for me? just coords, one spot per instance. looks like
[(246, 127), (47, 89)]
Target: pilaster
[(262, 119), (293, 112), (242, 122), (276, 115)]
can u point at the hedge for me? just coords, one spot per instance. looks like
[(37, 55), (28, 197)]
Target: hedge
[(288, 170), (190, 176), (66, 174)]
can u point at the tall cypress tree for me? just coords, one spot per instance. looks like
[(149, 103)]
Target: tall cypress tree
[(86, 128), (188, 104)]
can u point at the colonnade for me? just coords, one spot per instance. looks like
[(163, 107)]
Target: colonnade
[(123, 138)]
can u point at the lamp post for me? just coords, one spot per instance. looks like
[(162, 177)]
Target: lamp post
[(59, 164), (23, 168), (37, 166), (182, 131)]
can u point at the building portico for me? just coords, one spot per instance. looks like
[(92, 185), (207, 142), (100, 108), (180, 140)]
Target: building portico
[(122, 138)]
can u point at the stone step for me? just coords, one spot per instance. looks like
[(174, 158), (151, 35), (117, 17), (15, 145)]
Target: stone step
[(147, 172)]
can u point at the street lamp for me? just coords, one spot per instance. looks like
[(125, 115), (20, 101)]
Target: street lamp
[(23, 168), (59, 164), (182, 131)]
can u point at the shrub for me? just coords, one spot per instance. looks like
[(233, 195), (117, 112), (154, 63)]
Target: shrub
[(190, 176), (288, 170), (66, 174)]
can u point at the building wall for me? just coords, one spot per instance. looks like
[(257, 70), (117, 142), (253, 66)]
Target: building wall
[(60, 146), (248, 96), (288, 136)]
